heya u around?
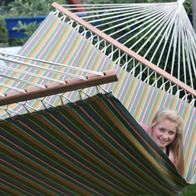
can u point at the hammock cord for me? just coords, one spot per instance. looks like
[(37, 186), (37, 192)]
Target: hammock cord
[(160, 32)]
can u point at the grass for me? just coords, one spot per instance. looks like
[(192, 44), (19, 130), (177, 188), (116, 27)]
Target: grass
[(189, 191)]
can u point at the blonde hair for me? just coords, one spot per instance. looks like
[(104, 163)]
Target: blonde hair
[(176, 146)]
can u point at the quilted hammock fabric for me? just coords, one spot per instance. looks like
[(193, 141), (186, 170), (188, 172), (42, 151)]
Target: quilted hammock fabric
[(92, 146)]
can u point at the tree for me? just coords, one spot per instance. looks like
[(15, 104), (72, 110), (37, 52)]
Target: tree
[(30, 7), (25, 8)]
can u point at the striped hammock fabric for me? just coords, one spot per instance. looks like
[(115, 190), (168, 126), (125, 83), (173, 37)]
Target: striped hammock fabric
[(63, 44), (143, 101), (92, 146), (59, 44)]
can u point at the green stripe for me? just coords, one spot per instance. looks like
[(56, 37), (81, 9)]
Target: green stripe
[(79, 144)]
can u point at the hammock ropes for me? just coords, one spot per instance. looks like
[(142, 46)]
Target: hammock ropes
[(177, 38), (160, 32)]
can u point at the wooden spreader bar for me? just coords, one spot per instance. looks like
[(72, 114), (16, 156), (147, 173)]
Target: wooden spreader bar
[(124, 49), (56, 88)]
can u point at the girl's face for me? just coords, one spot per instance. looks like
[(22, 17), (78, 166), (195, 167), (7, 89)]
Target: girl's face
[(164, 133)]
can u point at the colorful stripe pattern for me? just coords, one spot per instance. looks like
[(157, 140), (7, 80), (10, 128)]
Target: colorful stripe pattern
[(57, 41), (143, 101), (92, 146), (54, 41)]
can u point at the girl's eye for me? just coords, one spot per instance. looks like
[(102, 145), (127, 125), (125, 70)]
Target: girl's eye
[(171, 132), (162, 129)]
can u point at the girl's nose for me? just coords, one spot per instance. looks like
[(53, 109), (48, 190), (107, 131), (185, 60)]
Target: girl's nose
[(165, 136)]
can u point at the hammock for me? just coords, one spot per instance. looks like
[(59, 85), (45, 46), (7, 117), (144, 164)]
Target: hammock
[(59, 42), (160, 32), (93, 146)]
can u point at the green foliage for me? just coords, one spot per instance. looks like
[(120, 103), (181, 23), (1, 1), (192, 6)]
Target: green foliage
[(26, 8), (30, 7), (28, 31), (3, 31), (188, 6)]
